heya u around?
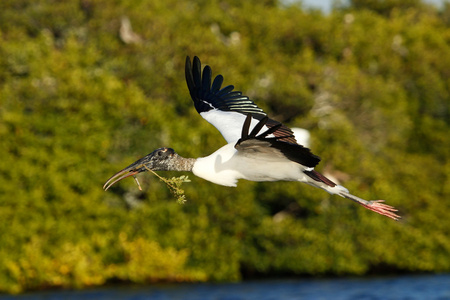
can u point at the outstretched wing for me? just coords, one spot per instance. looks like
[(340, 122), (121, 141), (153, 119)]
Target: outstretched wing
[(224, 108), (273, 147)]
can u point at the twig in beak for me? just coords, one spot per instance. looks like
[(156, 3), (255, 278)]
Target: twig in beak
[(137, 182)]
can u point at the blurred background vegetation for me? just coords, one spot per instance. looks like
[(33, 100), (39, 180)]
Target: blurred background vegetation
[(89, 86)]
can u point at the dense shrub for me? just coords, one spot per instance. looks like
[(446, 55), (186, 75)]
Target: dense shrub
[(77, 104)]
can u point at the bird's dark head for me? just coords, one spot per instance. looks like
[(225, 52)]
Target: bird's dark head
[(158, 160)]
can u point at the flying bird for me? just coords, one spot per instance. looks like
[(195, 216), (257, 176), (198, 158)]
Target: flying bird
[(258, 149)]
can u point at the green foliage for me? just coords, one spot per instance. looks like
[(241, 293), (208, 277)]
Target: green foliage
[(174, 185), (77, 103)]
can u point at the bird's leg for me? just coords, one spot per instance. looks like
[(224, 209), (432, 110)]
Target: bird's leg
[(375, 205)]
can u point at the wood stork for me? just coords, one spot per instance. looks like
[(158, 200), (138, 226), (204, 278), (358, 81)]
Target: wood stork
[(258, 149)]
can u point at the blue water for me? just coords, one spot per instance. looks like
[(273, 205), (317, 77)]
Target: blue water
[(424, 287)]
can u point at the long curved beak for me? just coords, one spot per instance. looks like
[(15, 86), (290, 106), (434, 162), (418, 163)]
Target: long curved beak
[(133, 169)]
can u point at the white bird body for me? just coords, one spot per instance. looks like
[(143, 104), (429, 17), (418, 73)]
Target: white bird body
[(227, 165), (258, 149)]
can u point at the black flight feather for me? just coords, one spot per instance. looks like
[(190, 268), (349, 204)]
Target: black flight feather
[(259, 126), (291, 151), (207, 97)]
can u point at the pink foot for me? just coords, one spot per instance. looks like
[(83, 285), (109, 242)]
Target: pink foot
[(383, 209)]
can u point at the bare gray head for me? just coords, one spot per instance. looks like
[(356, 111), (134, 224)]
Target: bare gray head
[(162, 159)]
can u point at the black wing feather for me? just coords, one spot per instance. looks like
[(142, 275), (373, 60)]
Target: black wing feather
[(207, 97), (291, 151), (260, 125), (217, 83), (246, 127)]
